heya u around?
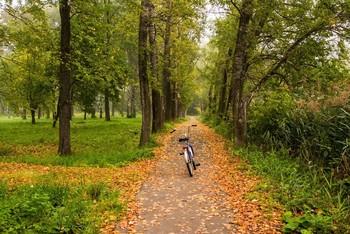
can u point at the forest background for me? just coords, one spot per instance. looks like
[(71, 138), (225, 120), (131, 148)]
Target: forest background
[(274, 79)]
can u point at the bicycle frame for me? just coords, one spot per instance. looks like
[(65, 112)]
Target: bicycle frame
[(188, 153)]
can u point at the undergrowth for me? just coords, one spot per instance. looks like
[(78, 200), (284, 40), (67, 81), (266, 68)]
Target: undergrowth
[(313, 202), (55, 208), (314, 198)]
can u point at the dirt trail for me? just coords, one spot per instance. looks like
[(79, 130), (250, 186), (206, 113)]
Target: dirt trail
[(212, 201)]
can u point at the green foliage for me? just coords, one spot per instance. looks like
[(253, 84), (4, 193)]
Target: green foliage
[(95, 142), (222, 127), (320, 138), (316, 202), (29, 64), (268, 114), (53, 208), (308, 223)]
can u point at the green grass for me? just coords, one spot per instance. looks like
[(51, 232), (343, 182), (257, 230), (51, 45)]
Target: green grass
[(54, 208), (314, 203), (48, 202), (94, 142)]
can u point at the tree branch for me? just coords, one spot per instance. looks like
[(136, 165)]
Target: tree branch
[(284, 59), (235, 6)]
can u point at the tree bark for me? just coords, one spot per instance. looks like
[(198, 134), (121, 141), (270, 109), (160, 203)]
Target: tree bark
[(222, 106), (210, 98), (166, 66), (39, 113), (174, 100), (24, 114), (107, 109), (157, 104), (143, 74), (64, 146), (32, 112), (239, 70), (133, 106)]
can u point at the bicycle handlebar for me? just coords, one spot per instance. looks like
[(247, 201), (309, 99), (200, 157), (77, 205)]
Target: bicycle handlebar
[(193, 125)]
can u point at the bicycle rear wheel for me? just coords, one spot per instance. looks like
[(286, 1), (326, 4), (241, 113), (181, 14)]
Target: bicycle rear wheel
[(190, 168), (191, 153), (188, 161)]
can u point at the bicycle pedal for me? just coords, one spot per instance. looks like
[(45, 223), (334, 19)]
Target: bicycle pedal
[(181, 153), (198, 164)]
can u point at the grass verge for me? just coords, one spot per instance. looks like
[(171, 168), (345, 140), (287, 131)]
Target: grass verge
[(313, 203)]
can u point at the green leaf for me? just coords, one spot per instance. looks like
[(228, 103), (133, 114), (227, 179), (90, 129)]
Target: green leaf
[(292, 225), (306, 231)]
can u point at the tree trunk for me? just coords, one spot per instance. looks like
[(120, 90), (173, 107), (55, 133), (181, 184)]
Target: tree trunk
[(174, 100), (39, 113), (210, 98), (222, 111), (143, 74), (157, 120), (131, 103), (47, 113), (64, 146), (32, 112), (166, 66), (107, 109), (23, 113), (56, 114), (113, 110), (238, 74)]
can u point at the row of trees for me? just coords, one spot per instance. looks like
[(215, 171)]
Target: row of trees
[(164, 66), (69, 53), (265, 45)]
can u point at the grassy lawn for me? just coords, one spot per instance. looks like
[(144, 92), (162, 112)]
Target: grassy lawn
[(94, 142), (86, 192)]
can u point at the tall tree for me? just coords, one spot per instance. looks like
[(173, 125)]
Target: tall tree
[(157, 99), (272, 38), (64, 147), (240, 66), (167, 84), (143, 73), (28, 56)]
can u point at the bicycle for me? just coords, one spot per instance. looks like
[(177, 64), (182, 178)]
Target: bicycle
[(188, 152)]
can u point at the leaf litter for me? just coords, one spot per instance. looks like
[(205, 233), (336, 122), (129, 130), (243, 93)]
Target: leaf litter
[(162, 198), (214, 200)]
